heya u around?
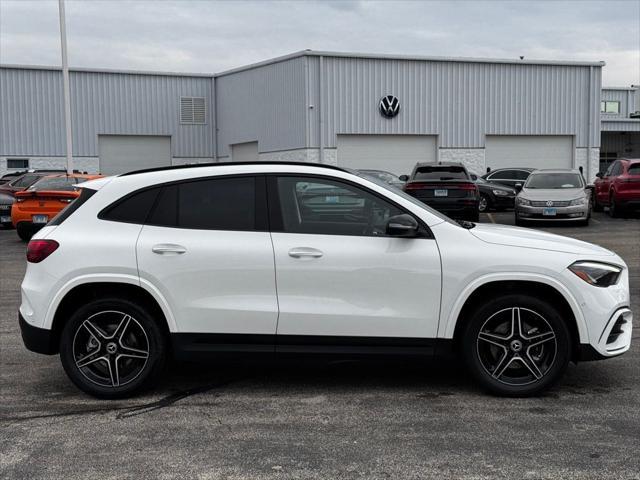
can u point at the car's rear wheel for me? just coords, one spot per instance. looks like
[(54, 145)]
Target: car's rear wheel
[(516, 345), (112, 348)]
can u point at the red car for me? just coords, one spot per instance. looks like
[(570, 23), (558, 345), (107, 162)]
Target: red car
[(619, 187)]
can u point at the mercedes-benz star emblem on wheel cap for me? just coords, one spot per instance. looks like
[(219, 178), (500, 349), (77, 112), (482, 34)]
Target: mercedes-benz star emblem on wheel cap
[(389, 106), (549, 203)]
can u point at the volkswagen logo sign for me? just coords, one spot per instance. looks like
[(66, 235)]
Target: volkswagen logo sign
[(389, 106), (549, 203)]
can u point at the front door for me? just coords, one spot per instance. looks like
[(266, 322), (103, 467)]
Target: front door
[(339, 274)]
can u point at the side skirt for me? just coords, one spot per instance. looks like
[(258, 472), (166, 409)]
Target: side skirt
[(190, 346)]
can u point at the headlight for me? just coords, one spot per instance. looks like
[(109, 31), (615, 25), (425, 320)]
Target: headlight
[(596, 273), (500, 193), (523, 201), (578, 201)]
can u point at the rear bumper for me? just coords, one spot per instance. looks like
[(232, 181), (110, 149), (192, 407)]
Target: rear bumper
[(39, 340)]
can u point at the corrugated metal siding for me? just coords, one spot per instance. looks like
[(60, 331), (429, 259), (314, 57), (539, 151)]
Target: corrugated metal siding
[(460, 102), (627, 126), (32, 122), (627, 99), (266, 104)]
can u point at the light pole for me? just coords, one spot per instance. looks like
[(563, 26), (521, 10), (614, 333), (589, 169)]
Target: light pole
[(65, 87)]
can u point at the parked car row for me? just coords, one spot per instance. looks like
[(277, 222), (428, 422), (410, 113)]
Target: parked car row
[(535, 195), (29, 201)]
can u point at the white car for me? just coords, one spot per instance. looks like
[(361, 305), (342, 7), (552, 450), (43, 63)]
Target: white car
[(298, 258)]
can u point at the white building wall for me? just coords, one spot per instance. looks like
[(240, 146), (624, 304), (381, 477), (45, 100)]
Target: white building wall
[(472, 158)]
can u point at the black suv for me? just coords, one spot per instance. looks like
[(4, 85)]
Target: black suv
[(447, 187)]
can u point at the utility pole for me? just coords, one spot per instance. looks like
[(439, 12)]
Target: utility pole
[(65, 86)]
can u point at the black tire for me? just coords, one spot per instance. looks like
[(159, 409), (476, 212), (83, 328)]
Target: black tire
[(518, 222), (550, 357), (614, 209), (125, 349), (25, 232), (484, 204)]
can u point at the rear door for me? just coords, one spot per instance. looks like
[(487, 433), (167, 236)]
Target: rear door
[(207, 248), (340, 276)]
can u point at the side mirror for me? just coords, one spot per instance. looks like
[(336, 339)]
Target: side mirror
[(402, 226), (518, 187), (599, 175), (404, 178)]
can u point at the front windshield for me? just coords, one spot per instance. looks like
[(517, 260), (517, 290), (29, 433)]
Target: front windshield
[(556, 180)]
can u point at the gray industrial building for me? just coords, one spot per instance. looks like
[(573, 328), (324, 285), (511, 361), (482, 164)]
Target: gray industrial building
[(353, 110)]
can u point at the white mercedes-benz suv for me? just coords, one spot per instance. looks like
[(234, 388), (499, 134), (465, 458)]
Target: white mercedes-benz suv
[(290, 258)]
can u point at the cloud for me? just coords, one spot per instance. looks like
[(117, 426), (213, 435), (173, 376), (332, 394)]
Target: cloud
[(211, 36)]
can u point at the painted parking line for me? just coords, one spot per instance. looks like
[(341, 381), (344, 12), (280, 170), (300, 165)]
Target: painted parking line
[(491, 218)]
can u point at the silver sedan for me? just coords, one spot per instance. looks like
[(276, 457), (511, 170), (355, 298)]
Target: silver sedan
[(554, 195)]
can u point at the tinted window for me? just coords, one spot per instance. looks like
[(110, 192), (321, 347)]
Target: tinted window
[(440, 173), (25, 181), (133, 208), (634, 169), (610, 169), (55, 183), (617, 169), (327, 207), (85, 194), (215, 204), (503, 175), (555, 180), (521, 174)]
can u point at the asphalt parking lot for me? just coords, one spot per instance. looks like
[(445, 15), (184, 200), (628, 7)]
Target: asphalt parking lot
[(327, 420)]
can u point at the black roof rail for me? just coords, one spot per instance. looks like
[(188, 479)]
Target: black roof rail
[(222, 164)]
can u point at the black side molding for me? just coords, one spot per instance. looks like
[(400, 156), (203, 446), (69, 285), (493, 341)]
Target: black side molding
[(39, 340)]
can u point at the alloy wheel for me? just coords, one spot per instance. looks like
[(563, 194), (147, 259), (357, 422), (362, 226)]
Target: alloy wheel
[(483, 204), (110, 348), (516, 346)]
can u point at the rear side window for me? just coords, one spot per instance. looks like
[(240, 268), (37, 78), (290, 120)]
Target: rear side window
[(440, 173), (230, 203), (503, 175), (634, 169), (85, 194), (133, 208)]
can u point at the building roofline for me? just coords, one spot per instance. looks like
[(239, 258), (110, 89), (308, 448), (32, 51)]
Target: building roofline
[(319, 53), (632, 87), (105, 70), (417, 58)]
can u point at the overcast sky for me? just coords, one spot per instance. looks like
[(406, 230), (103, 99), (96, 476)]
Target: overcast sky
[(211, 36)]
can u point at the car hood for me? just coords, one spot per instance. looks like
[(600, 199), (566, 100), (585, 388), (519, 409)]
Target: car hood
[(552, 193), (529, 238)]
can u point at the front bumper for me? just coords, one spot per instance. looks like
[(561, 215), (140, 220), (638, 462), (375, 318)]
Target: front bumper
[(574, 213), (507, 201), (39, 340)]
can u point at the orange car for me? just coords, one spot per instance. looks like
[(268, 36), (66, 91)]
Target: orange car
[(42, 201)]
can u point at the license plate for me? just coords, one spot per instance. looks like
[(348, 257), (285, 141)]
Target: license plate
[(440, 193), (40, 218), (5, 219), (549, 212)]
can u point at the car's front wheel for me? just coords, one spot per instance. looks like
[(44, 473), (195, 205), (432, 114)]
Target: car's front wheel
[(516, 345), (112, 348), (484, 203)]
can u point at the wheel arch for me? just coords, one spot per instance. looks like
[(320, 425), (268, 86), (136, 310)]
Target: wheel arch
[(79, 292), (546, 288)]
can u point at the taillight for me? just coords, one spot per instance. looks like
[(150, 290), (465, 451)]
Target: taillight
[(38, 250), (414, 186)]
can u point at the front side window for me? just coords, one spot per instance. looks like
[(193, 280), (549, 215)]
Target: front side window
[(328, 207)]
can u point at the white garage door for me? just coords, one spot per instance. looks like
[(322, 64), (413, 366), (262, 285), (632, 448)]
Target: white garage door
[(529, 151), (244, 152), (394, 153), (124, 153)]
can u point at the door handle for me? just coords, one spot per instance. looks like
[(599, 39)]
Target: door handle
[(165, 248), (299, 252)]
